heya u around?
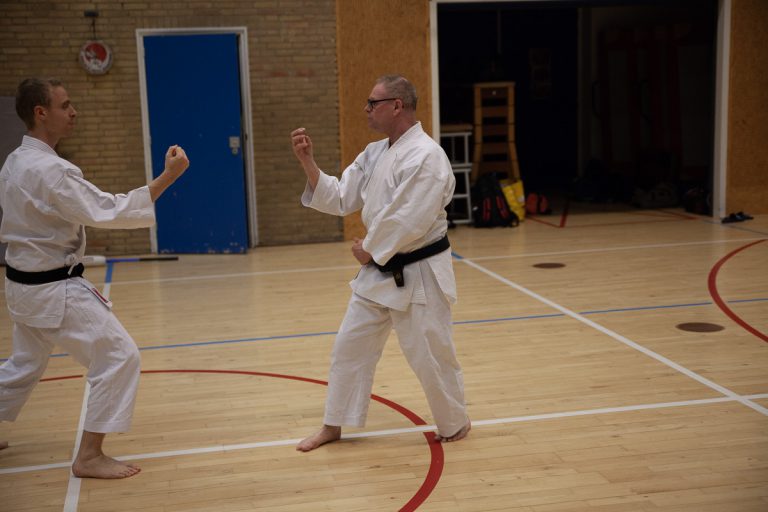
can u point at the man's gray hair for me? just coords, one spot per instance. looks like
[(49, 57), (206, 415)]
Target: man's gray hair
[(398, 86)]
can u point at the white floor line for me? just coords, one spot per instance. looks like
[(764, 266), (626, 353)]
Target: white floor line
[(482, 258), (622, 339), (605, 410), (73, 487), (238, 275), (610, 249), (39, 467), (398, 431)]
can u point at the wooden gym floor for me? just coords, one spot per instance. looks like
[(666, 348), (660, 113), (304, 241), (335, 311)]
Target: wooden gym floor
[(587, 388)]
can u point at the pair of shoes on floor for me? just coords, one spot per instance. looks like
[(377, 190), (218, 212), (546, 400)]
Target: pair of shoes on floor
[(737, 217)]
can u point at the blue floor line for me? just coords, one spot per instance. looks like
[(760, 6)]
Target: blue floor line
[(110, 269), (243, 340), (108, 280), (507, 319), (460, 322)]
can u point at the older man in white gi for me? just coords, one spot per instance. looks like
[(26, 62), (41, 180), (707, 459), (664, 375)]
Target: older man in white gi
[(46, 205), (402, 183)]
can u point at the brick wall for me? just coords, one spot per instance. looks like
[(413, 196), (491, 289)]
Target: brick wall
[(292, 58)]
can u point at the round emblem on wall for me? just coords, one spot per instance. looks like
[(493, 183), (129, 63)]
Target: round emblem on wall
[(96, 57)]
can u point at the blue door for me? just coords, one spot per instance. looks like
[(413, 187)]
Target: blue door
[(193, 96)]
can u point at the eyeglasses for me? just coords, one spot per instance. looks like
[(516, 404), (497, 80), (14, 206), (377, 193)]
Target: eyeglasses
[(371, 104)]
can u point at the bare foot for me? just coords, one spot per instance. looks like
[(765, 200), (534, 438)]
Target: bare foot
[(103, 467), (3, 445), (461, 434), (327, 434)]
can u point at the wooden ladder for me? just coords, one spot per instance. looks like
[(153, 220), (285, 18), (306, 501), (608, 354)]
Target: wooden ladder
[(495, 149)]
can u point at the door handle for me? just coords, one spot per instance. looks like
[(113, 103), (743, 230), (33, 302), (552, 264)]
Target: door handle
[(234, 144)]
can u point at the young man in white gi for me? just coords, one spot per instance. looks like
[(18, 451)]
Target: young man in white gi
[(403, 184), (46, 205)]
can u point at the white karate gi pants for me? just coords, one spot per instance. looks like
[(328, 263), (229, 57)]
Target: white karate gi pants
[(92, 334), (425, 335)]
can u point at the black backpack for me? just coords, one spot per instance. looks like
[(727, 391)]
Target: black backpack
[(489, 206), (697, 200)]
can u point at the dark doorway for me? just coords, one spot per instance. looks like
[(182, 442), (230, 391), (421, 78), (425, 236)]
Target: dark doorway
[(612, 99), (531, 46)]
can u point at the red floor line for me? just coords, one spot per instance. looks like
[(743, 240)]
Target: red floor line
[(48, 379), (437, 455), (712, 284), (564, 216), (534, 219), (657, 214), (604, 224), (668, 217), (627, 223), (682, 215)]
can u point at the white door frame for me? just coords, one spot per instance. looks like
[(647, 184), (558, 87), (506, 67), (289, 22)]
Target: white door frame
[(722, 77), (720, 157), (247, 117)]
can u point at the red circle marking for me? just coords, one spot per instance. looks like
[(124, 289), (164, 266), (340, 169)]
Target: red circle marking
[(712, 284), (436, 448)]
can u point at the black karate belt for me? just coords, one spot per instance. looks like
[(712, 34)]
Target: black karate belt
[(400, 260), (48, 276)]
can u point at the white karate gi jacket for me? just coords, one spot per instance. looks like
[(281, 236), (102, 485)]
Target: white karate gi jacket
[(403, 191), (46, 205)]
